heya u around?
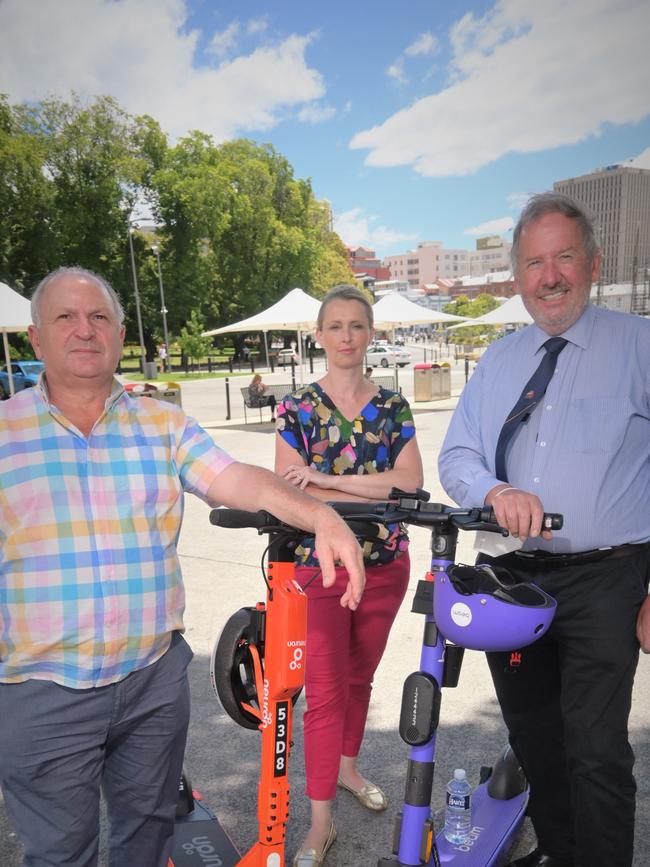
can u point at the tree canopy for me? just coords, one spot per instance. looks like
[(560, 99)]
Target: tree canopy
[(235, 229)]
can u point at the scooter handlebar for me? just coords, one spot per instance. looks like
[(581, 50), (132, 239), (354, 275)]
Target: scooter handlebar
[(407, 510), (238, 519), (550, 521)]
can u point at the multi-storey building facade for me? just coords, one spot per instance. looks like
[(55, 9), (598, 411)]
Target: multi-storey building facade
[(432, 261), (619, 198), (364, 261)]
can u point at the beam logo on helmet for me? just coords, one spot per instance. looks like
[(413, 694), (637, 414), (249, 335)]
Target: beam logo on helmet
[(484, 608)]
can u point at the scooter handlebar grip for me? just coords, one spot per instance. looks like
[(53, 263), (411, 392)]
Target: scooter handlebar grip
[(551, 520), (238, 519)]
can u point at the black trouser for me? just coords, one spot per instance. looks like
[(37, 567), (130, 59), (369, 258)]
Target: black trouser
[(566, 704)]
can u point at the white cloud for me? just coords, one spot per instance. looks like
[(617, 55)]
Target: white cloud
[(396, 71), (525, 78), (257, 25), (222, 43), (642, 160), (516, 201), (499, 226), (356, 230), (140, 52), (424, 44), (316, 112)]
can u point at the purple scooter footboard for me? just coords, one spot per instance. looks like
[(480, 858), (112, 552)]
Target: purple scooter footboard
[(494, 826)]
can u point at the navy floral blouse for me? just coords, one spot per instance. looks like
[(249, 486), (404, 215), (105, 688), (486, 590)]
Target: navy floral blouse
[(310, 422)]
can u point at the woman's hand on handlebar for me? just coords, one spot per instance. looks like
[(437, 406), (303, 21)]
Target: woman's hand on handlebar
[(517, 511), (335, 542)]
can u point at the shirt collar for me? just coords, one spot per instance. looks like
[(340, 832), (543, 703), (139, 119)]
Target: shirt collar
[(117, 390), (579, 333)]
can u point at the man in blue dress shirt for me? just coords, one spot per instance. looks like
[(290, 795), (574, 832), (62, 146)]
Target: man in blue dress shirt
[(583, 451)]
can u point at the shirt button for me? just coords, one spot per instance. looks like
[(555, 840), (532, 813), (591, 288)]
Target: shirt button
[(542, 444), (548, 406), (536, 480)]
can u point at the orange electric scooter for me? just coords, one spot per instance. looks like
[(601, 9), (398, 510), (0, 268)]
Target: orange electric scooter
[(257, 670)]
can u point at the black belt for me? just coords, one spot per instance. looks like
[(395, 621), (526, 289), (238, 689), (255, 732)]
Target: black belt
[(545, 559)]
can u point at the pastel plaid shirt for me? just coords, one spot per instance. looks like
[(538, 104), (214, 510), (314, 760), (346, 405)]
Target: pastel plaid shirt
[(90, 582)]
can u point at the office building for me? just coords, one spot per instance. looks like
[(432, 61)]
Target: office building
[(619, 198)]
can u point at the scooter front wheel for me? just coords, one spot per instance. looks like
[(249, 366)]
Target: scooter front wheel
[(236, 653)]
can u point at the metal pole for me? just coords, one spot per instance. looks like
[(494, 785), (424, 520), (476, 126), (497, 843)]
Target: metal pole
[(227, 399), (163, 309), (143, 355)]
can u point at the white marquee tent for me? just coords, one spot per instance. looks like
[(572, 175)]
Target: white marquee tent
[(15, 315)]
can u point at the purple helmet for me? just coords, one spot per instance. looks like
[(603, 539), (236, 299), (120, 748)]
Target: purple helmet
[(482, 608)]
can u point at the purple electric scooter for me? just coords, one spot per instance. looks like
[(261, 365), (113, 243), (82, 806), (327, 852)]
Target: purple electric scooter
[(480, 608)]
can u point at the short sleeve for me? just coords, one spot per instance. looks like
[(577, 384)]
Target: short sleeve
[(198, 459), (400, 424)]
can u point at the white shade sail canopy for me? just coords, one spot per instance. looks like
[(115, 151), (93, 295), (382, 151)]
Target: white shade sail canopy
[(511, 312), (15, 315), (297, 311), (15, 311), (395, 311)]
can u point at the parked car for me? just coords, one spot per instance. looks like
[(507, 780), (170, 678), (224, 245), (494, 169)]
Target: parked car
[(285, 356), (387, 356), (24, 373)]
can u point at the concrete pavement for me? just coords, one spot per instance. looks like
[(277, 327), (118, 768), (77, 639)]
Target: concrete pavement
[(222, 574)]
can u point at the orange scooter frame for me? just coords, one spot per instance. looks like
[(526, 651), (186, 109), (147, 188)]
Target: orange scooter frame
[(258, 670)]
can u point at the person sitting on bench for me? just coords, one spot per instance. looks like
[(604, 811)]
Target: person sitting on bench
[(257, 396)]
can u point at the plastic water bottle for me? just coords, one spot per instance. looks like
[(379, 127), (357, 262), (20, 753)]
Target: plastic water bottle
[(458, 815)]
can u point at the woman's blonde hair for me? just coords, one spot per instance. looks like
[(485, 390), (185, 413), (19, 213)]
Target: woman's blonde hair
[(345, 292)]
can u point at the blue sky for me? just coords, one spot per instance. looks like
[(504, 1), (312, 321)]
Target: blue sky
[(420, 120)]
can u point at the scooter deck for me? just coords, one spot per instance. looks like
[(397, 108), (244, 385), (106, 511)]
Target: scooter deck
[(199, 839), (494, 826)]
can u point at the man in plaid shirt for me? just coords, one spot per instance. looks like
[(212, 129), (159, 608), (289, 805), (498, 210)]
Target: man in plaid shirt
[(93, 684)]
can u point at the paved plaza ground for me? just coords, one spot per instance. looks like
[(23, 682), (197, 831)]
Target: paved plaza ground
[(221, 569)]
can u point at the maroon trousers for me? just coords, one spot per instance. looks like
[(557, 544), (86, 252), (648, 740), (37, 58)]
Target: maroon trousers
[(344, 648)]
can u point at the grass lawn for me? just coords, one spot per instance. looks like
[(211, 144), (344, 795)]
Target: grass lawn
[(183, 377)]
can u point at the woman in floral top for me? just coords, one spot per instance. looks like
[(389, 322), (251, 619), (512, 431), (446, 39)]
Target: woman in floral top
[(342, 438)]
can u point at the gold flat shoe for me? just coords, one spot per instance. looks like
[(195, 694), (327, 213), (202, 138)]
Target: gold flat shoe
[(369, 795), (313, 858)]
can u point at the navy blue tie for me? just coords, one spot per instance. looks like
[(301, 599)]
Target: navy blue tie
[(533, 392)]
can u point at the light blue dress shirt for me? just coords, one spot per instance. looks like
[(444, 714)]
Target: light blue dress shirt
[(585, 450)]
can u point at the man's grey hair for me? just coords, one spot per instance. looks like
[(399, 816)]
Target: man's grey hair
[(345, 292), (77, 271), (556, 203)]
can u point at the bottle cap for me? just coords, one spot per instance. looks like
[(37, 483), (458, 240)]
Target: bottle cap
[(459, 774)]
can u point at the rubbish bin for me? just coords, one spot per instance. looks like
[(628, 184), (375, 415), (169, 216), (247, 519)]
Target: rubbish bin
[(150, 370), (422, 382), (440, 381), (171, 393)]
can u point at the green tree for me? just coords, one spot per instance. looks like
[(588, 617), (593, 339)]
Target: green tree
[(27, 242), (192, 344), (462, 306)]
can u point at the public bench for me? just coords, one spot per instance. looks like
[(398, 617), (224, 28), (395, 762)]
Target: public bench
[(279, 390)]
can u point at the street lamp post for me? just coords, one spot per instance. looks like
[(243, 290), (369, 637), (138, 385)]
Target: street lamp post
[(163, 309), (143, 355)]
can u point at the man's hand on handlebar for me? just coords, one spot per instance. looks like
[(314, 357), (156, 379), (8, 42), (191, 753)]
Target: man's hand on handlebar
[(517, 511), (643, 626), (335, 542)]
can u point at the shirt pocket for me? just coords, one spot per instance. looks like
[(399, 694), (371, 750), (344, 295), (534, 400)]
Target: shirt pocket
[(598, 424)]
